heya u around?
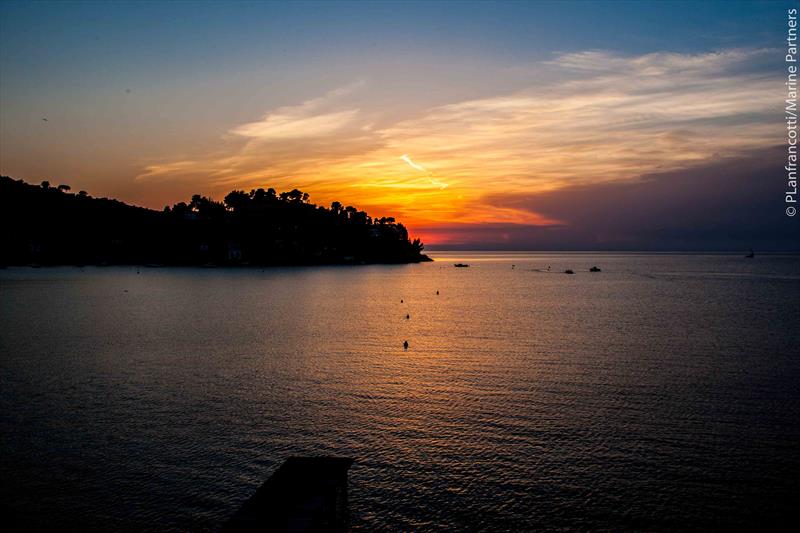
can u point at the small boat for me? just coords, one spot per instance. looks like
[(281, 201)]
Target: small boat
[(568, 271), (460, 265), (594, 269), (751, 254)]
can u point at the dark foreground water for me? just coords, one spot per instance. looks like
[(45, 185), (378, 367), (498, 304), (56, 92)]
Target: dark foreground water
[(662, 393)]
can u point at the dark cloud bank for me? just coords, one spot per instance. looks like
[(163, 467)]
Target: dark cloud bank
[(734, 204)]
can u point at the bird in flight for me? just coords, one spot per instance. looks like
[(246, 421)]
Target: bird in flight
[(44, 120)]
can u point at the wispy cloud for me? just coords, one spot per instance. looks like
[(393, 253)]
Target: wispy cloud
[(289, 124), (660, 63), (431, 177), (408, 160), (307, 120)]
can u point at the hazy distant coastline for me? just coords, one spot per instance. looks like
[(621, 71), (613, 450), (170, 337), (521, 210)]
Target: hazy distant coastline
[(46, 225)]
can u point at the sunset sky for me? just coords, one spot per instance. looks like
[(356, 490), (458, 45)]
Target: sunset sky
[(486, 125)]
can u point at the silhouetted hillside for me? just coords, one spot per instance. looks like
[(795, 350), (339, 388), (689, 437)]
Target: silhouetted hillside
[(50, 225)]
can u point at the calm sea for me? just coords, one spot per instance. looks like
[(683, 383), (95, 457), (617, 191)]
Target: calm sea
[(661, 393)]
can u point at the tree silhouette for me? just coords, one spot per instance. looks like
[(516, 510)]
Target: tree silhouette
[(260, 227)]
